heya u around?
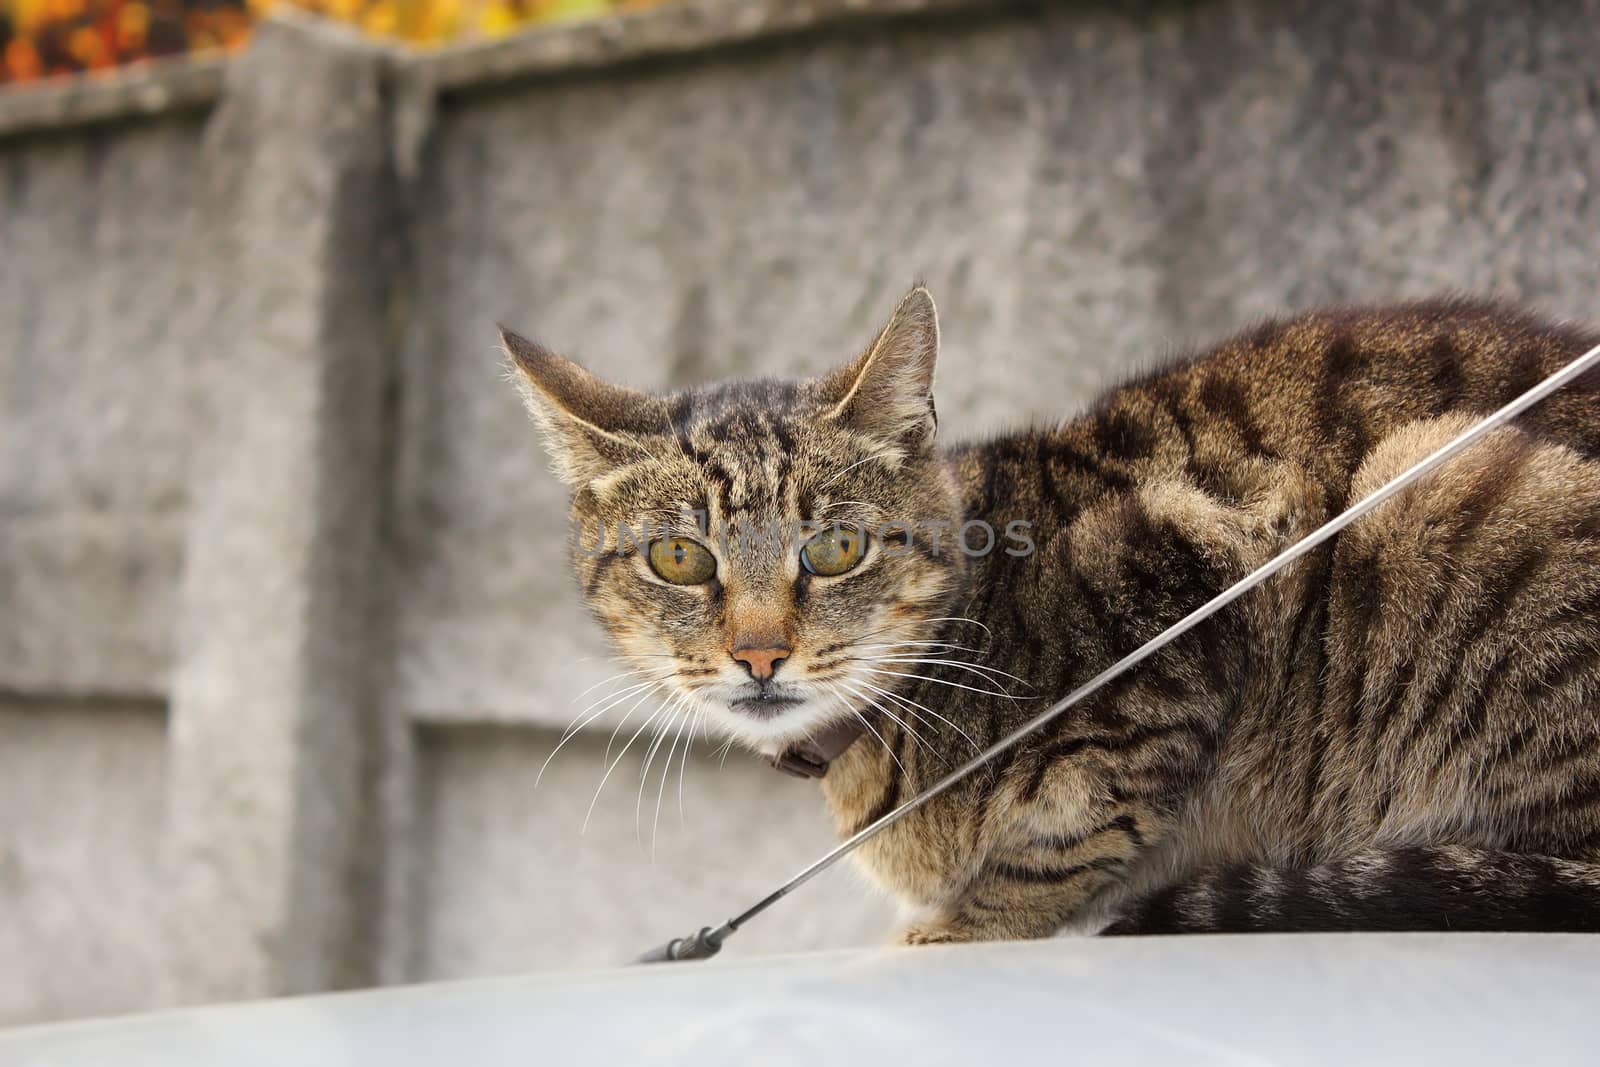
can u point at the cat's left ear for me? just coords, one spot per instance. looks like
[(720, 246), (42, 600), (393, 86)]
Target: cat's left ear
[(887, 391), (591, 427)]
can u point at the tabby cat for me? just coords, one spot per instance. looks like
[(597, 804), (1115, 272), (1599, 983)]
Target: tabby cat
[(1398, 732)]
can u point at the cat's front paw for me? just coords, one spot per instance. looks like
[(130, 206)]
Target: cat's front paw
[(939, 932)]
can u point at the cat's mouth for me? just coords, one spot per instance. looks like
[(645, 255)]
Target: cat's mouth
[(766, 703), (771, 716)]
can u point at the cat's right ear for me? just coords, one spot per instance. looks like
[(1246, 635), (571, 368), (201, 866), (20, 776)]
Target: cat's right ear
[(590, 426), (887, 392)]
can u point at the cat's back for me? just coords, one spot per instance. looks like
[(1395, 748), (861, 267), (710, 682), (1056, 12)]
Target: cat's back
[(1326, 387), (1304, 397)]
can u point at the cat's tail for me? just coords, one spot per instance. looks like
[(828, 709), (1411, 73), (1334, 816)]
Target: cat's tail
[(1444, 888)]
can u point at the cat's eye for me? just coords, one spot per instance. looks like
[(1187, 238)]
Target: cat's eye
[(682, 561), (834, 551)]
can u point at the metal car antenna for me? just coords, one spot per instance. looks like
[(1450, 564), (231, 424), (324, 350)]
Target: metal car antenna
[(708, 941)]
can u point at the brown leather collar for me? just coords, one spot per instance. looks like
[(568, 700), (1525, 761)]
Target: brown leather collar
[(810, 758)]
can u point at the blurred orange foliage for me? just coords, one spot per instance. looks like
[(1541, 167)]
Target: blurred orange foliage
[(39, 38)]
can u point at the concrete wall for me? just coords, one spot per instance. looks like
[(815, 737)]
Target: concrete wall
[(285, 645)]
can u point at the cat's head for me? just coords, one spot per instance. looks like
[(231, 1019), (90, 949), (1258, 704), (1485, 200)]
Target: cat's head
[(757, 548)]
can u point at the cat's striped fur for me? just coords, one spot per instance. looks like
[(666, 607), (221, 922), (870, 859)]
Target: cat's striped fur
[(1401, 731)]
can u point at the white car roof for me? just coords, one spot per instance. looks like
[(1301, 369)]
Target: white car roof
[(1338, 999)]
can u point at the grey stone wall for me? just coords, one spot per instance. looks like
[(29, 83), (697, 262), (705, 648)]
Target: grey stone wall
[(286, 641)]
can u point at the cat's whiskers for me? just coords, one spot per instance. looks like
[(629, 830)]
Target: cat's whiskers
[(696, 706), (916, 709), (942, 681), (912, 708), (656, 739), (654, 673), (666, 769), (960, 664), (893, 629), (663, 729), (962, 618), (629, 673), (654, 716), (611, 657), (868, 724), (678, 723), (892, 717), (919, 644), (610, 701), (612, 740), (916, 631), (903, 653), (606, 703), (654, 678), (683, 765)]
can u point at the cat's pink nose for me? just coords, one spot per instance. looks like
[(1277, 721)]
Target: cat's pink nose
[(762, 663)]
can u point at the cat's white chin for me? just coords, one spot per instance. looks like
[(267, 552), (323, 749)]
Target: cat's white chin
[(772, 732)]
